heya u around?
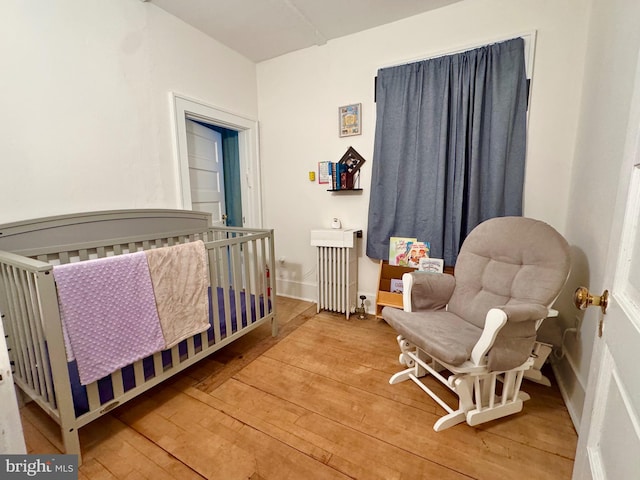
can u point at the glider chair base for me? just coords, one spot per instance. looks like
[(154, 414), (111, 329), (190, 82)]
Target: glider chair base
[(475, 387)]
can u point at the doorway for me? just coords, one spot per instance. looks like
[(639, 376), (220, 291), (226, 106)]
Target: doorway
[(244, 179), (214, 172)]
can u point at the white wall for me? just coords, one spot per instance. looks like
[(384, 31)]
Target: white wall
[(299, 95), (612, 54), (85, 121), (84, 103)]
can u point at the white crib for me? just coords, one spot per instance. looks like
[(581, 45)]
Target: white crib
[(241, 300)]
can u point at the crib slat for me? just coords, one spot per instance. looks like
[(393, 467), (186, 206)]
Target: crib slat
[(237, 284), (118, 386), (191, 348), (36, 337), (93, 395), (157, 364), (11, 321), (138, 372), (265, 256), (215, 304), (63, 257), (246, 275), (254, 266), (22, 351), (175, 356), (223, 256)]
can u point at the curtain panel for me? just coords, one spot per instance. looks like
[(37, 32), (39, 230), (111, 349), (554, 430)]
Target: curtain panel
[(449, 147)]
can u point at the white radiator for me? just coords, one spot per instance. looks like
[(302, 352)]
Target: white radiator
[(337, 268)]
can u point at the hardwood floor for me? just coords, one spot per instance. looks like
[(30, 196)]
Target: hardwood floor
[(312, 403)]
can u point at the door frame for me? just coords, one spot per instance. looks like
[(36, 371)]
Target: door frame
[(183, 107)]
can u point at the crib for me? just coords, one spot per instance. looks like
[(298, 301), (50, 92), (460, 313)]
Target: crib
[(240, 295)]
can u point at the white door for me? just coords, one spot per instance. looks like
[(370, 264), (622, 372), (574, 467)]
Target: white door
[(609, 437), (206, 175), (11, 436)]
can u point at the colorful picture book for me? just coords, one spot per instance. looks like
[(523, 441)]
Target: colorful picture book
[(396, 285), (431, 265), (417, 252), (399, 250), (407, 252)]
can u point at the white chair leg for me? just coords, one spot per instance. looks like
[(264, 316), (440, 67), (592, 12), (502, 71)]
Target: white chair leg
[(463, 387), (449, 420), (478, 402), (475, 417), (508, 403), (402, 376)]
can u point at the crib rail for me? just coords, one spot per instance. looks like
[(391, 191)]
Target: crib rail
[(30, 315), (25, 332), (238, 260)]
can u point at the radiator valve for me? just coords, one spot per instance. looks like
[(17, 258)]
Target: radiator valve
[(361, 310)]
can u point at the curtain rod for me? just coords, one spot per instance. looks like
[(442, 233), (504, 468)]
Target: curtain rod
[(529, 40), (529, 50)]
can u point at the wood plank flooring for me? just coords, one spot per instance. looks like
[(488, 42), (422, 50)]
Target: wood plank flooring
[(312, 403)]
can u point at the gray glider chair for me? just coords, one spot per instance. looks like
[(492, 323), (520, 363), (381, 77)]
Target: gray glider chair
[(476, 331)]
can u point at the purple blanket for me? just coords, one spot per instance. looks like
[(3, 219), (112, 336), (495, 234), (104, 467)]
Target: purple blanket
[(248, 314), (108, 312)]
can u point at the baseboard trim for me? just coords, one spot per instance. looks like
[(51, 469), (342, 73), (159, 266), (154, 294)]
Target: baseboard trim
[(308, 292), (565, 386)]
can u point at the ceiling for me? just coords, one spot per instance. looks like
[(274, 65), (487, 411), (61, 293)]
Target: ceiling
[(264, 29)]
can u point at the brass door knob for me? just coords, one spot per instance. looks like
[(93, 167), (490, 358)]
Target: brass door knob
[(583, 299)]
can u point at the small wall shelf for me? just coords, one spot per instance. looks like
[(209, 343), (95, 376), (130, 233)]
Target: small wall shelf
[(345, 190)]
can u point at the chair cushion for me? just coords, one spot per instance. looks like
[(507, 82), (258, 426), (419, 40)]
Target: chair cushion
[(513, 346), (431, 291), (441, 334), (508, 260)]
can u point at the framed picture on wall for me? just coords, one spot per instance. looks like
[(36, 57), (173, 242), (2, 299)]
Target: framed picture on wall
[(350, 120)]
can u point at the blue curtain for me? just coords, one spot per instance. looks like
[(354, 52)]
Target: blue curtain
[(449, 147)]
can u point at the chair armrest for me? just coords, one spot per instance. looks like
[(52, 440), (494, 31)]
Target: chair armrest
[(525, 312), (497, 318), (426, 291)]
